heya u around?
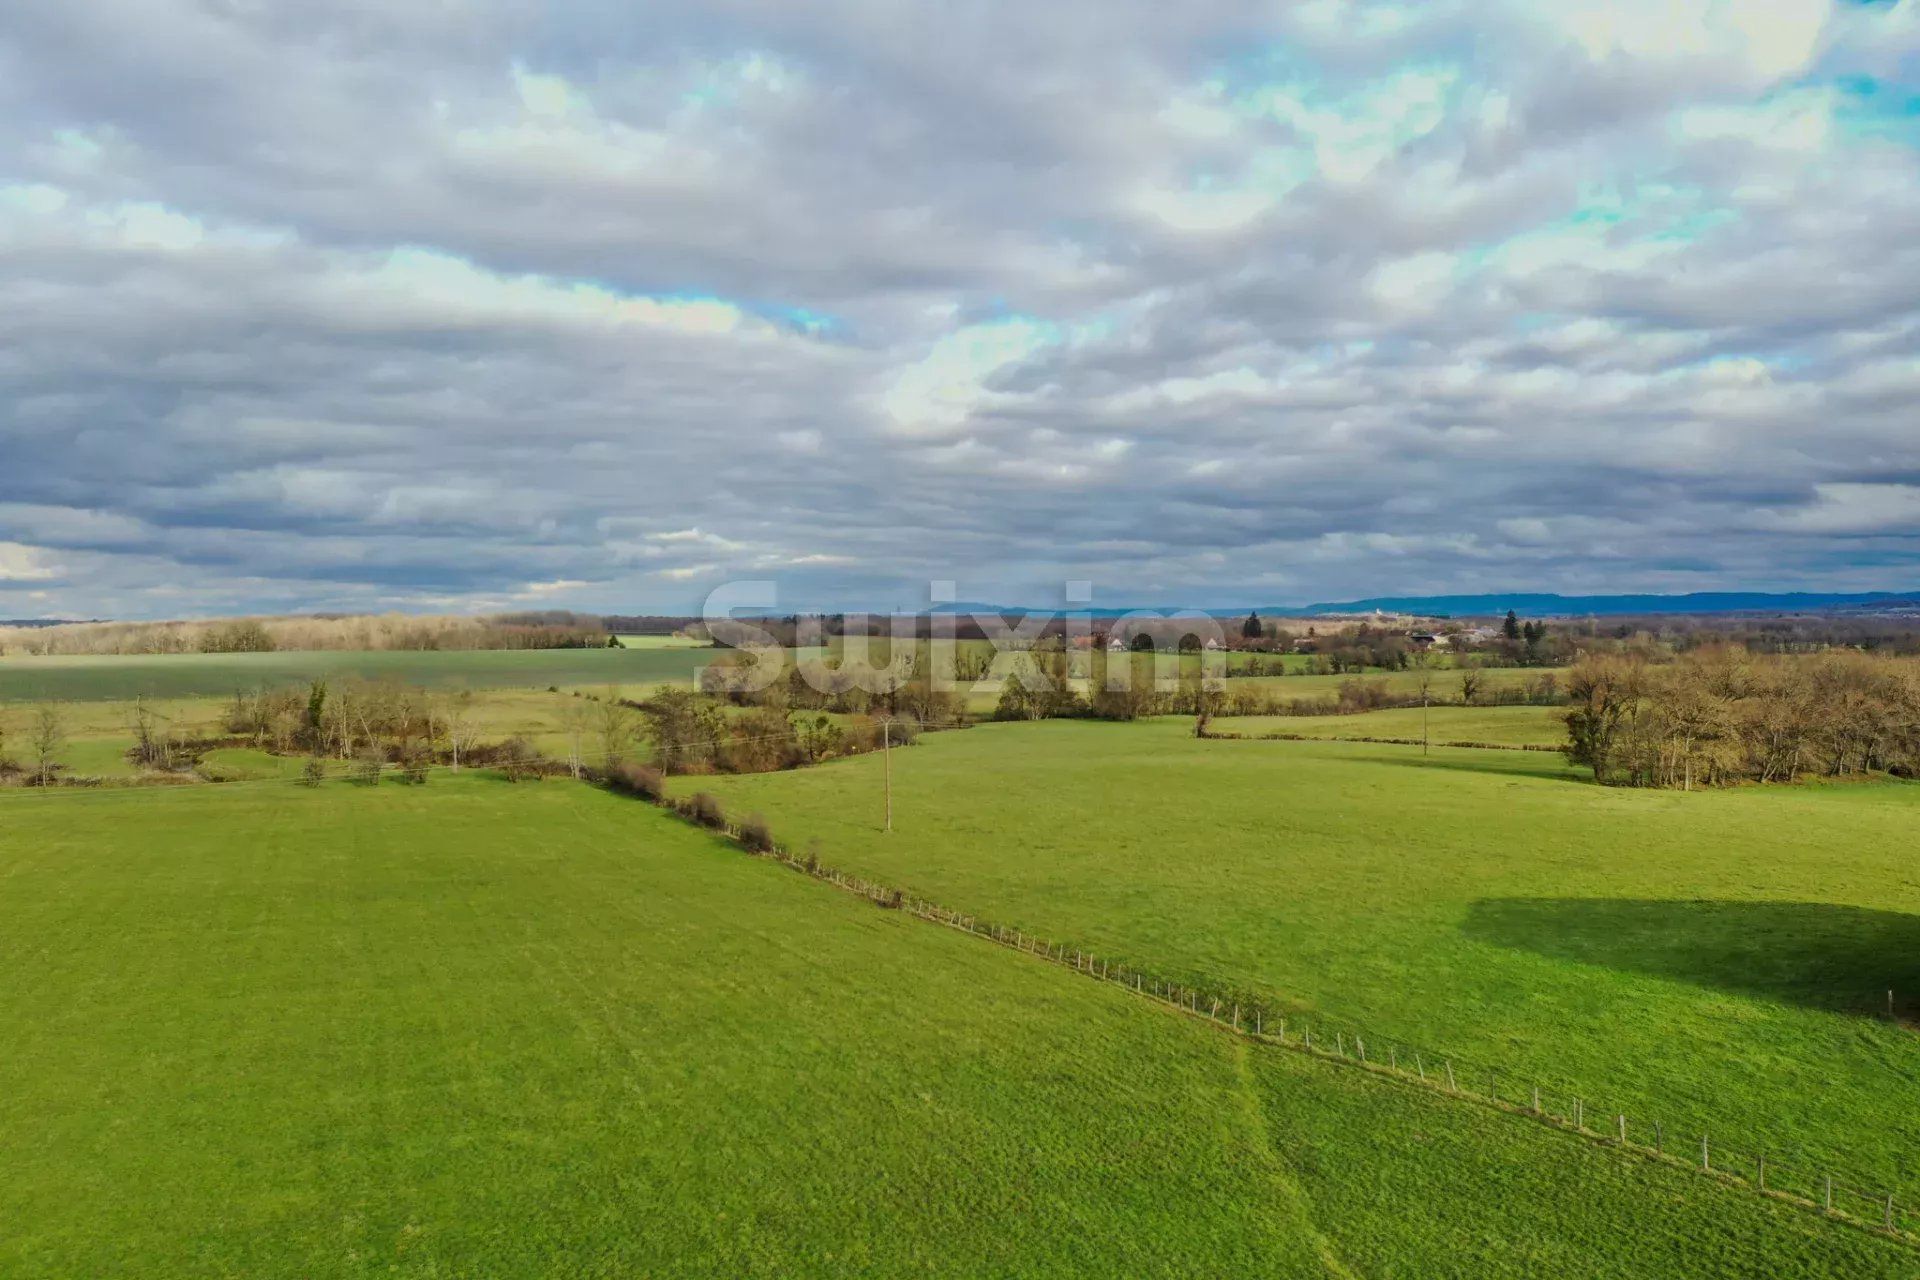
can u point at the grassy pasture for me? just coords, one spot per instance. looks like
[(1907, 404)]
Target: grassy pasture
[(1498, 726), (1717, 961), (481, 1029), (74, 679), (99, 732), (1445, 682), (534, 1030)]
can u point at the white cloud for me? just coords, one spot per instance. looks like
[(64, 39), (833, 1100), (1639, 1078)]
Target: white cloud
[(942, 390), (557, 587), (1765, 39), (22, 563), (1416, 282), (429, 287), (1855, 508)]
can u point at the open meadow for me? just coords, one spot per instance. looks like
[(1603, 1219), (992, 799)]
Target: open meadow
[(100, 732), (537, 1029), (524, 961), (1494, 726), (1719, 962)]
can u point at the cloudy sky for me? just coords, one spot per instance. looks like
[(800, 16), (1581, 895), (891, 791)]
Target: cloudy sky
[(482, 303)]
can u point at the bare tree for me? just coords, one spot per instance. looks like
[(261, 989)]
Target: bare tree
[(576, 719), (47, 738), (460, 722), (616, 721), (152, 743)]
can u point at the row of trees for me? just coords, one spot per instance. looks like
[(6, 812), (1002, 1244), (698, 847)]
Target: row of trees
[(901, 689), (1720, 715), (344, 717), (689, 732), (264, 635)]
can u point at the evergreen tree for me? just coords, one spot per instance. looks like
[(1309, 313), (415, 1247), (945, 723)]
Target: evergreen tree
[(1512, 625)]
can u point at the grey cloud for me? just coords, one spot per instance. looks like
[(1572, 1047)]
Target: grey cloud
[(344, 305)]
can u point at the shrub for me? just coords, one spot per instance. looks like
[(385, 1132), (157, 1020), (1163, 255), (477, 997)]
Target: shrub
[(642, 780), (414, 765), (314, 772), (518, 760), (366, 767), (755, 834), (706, 811)]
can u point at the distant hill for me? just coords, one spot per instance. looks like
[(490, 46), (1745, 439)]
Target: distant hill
[(1536, 605)]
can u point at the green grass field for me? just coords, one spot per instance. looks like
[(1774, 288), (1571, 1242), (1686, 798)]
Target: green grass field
[(100, 732), (1498, 726), (1716, 961), (662, 642), (1444, 684), (482, 1029)]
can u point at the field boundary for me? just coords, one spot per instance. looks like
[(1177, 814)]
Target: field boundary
[(1229, 735), (1437, 1074)]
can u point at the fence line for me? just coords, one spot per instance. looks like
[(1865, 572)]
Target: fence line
[(1447, 1075), (1234, 735)]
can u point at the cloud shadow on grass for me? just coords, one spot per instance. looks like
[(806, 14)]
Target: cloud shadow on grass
[(1498, 762), (1814, 954)]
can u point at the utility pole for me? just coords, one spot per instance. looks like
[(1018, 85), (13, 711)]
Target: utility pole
[(886, 754)]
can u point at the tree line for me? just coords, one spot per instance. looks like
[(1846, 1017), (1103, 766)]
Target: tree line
[(1721, 715), (342, 632)]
